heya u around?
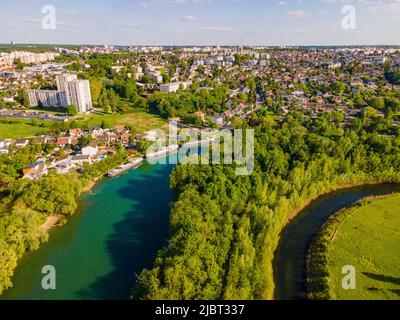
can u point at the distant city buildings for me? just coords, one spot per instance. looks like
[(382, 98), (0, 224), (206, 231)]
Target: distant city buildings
[(26, 57), (70, 91)]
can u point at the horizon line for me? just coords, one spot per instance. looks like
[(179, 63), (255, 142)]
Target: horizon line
[(197, 45)]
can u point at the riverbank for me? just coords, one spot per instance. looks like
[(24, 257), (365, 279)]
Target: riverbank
[(339, 187), (275, 240), (115, 233), (338, 243), (87, 184), (54, 220), (51, 222)]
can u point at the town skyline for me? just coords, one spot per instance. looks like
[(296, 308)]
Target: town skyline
[(203, 22)]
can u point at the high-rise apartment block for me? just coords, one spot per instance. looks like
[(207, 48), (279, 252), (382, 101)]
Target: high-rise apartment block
[(70, 91), (79, 95), (47, 98)]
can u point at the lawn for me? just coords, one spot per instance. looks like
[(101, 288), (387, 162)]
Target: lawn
[(140, 121), (369, 240), (22, 129)]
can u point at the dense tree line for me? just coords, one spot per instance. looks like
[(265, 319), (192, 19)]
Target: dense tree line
[(19, 232), (24, 207), (184, 103), (392, 75), (225, 228)]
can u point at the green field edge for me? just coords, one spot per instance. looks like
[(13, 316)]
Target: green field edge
[(318, 278)]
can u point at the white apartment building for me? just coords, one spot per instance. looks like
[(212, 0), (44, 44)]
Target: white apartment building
[(63, 79), (48, 98), (70, 91), (27, 57), (156, 77), (374, 59), (79, 95), (173, 86)]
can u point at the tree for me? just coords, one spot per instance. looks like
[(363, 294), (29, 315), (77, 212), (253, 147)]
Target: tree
[(393, 76), (72, 110), (393, 103), (95, 89), (23, 98), (53, 195), (18, 64), (84, 141), (338, 87), (376, 102), (143, 145)]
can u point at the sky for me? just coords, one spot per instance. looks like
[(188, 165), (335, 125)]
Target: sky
[(203, 22)]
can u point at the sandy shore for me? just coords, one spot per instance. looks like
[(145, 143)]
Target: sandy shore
[(51, 222)]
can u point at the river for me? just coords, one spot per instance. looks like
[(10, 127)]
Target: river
[(122, 223), (290, 256), (117, 231)]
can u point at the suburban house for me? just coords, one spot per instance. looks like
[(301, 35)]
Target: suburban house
[(75, 132), (124, 138), (4, 144), (97, 131), (119, 128), (35, 171), (151, 135), (63, 141), (81, 159), (39, 140), (64, 166), (103, 138), (20, 143), (218, 119), (91, 149)]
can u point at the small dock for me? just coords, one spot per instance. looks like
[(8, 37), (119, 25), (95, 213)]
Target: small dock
[(162, 152), (125, 167)]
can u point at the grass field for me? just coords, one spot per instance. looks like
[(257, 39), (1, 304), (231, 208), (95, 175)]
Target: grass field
[(369, 240), (140, 121), (22, 129)]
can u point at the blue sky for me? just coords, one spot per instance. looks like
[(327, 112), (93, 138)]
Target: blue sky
[(201, 22)]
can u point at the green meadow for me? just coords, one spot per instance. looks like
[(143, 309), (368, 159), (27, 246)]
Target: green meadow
[(139, 121), (369, 240), (20, 129)]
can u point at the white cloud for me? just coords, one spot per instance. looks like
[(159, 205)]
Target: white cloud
[(296, 14), (381, 6), (189, 18)]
